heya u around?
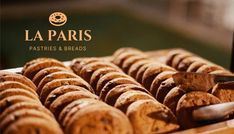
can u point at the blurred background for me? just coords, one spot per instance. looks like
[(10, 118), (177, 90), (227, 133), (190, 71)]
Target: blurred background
[(204, 27)]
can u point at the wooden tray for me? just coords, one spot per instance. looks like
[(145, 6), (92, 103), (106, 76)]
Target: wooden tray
[(224, 127)]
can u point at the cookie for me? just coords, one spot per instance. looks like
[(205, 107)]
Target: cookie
[(60, 91), (178, 58), (164, 88), (99, 119), (124, 50), (159, 79), (99, 73), (59, 103), (131, 60), (111, 84), (171, 54), (17, 91), (31, 71), (33, 125), (13, 84), (149, 116), (32, 62), (172, 98), (115, 92), (186, 62), (127, 98), (151, 72), (87, 71), (195, 65), (49, 87), (190, 101), (221, 72), (224, 91), (108, 77), (123, 56), (74, 107), (142, 70), (53, 76), (18, 78), (208, 68), (136, 66), (46, 71)]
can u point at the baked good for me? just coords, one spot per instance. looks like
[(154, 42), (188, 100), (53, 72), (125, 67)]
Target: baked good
[(149, 116), (136, 66), (131, 60), (224, 91)]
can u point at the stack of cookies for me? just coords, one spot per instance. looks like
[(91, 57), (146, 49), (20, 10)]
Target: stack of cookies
[(20, 108), (117, 89), (157, 78), (72, 101)]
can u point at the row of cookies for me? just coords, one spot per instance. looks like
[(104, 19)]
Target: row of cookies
[(117, 89), (72, 101), (20, 108), (157, 78)]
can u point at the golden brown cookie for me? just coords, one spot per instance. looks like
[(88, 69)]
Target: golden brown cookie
[(53, 76), (31, 70), (195, 65), (99, 119), (99, 73), (124, 50), (171, 54), (190, 101), (59, 103), (172, 98), (111, 84), (25, 105), (131, 60), (87, 71), (186, 62), (60, 91), (149, 116), (164, 88), (115, 92), (17, 91), (49, 87), (136, 66), (18, 78), (158, 80), (127, 98), (224, 91), (46, 71), (108, 77), (151, 72), (208, 68), (178, 58), (74, 107), (7, 102), (32, 62), (33, 125), (221, 72), (13, 84)]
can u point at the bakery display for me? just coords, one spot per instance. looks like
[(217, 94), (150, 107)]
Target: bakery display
[(129, 92)]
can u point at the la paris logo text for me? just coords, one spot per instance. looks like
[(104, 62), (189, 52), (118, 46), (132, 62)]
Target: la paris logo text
[(58, 19)]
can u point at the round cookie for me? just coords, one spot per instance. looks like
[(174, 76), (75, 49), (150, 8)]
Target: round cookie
[(115, 92), (164, 88), (127, 98), (151, 72), (60, 91), (53, 76), (171, 54), (32, 62), (31, 71), (186, 62), (111, 84), (18, 78), (99, 119), (17, 91), (178, 58), (63, 100), (49, 87), (87, 71), (74, 107), (221, 72), (131, 60), (46, 71), (190, 101), (108, 77), (33, 125), (136, 66), (224, 91), (208, 68), (172, 98), (195, 65), (149, 116), (99, 73), (13, 84), (124, 50), (159, 79)]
